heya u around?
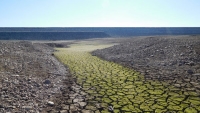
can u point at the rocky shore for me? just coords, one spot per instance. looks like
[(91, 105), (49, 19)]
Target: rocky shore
[(174, 59)]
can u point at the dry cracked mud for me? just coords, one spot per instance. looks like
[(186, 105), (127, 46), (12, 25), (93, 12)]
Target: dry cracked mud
[(114, 88)]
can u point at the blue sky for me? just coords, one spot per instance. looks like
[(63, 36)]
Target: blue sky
[(99, 13)]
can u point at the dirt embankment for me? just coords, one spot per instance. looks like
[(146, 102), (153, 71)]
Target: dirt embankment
[(175, 59), (32, 80)]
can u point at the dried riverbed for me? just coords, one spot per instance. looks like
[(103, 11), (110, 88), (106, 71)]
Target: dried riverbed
[(114, 88)]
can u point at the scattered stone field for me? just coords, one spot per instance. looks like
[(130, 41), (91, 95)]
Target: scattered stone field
[(33, 81)]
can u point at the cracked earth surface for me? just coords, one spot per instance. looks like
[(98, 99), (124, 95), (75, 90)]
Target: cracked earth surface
[(111, 87)]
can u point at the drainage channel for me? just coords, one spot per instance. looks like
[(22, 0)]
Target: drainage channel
[(114, 88)]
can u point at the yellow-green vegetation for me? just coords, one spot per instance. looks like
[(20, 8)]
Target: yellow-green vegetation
[(124, 88)]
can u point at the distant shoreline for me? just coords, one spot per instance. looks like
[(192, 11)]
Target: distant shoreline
[(70, 33)]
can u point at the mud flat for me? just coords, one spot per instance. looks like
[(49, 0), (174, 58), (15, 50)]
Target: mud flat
[(114, 87)]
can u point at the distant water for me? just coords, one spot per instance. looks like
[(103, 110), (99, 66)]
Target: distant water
[(68, 33)]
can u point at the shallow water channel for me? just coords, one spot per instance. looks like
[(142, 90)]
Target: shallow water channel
[(124, 89)]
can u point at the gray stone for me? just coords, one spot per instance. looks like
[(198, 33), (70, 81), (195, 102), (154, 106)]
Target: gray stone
[(190, 72), (66, 107), (47, 82), (72, 107), (1, 106), (27, 107), (63, 111), (110, 108), (15, 75), (77, 100), (50, 103), (177, 85), (12, 107), (187, 80), (182, 54), (82, 104), (197, 87), (191, 63), (196, 74)]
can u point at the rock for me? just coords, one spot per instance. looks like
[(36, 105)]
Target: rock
[(186, 80), (29, 79), (182, 54), (12, 107), (1, 106), (72, 107), (111, 108), (50, 103), (100, 108), (191, 63), (66, 107), (63, 111), (82, 104), (197, 87), (190, 72), (190, 89), (33, 95), (194, 83), (47, 82), (15, 75), (196, 74), (77, 100), (177, 85), (27, 107)]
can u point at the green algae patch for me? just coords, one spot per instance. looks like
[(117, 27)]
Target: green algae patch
[(123, 88), (190, 110)]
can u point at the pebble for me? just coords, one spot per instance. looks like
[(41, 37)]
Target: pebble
[(1, 106), (66, 107), (47, 82), (191, 63), (15, 75), (196, 74), (64, 111), (50, 103), (190, 72), (27, 107), (110, 108), (177, 85), (77, 100), (82, 104)]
